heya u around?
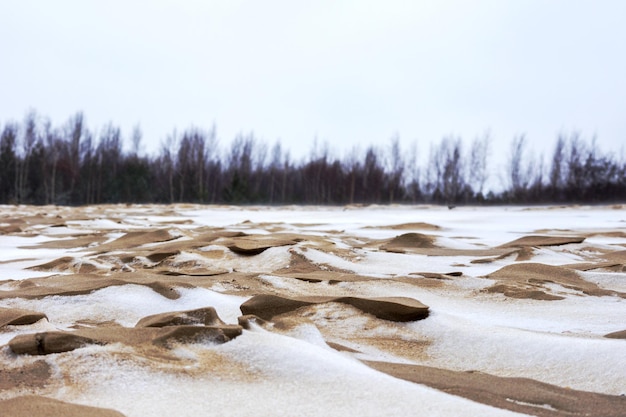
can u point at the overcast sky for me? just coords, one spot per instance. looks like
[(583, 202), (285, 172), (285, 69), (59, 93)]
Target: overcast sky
[(346, 72)]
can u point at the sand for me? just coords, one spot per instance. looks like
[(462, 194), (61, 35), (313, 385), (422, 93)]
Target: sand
[(198, 310)]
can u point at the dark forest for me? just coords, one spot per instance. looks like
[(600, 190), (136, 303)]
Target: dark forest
[(69, 164)]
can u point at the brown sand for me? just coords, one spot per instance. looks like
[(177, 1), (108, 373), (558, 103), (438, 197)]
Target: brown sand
[(201, 316), (391, 308), (528, 280), (37, 406), (543, 241), (35, 375), (16, 317), (617, 335), (252, 245), (521, 395), (134, 239), (422, 244), (408, 241), (616, 256), (45, 343)]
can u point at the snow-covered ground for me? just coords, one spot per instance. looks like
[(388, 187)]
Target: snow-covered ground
[(291, 364)]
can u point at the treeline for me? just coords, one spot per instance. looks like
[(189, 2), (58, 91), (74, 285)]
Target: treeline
[(41, 163)]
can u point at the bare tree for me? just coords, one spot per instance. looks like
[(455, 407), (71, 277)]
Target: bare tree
[(413, 174), (373, 176), (167, 164), (478, 172), (108, 158), (135, 139), (353, 167), (29, 138), (556, 170), (54, 148), (520, 171), (75, 131), (240, 165), (396, 169), (447, 179), (274, 168), (575, 166)]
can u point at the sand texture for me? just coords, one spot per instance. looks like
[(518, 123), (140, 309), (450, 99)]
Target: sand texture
[(193, 310)]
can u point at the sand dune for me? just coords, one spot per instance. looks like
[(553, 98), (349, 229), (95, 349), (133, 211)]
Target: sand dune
[(515, 394), (32, 405), (529, 280), (394, 309), (195, 310), (18, 317)]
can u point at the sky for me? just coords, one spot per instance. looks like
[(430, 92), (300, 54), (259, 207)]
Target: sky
[(349, 73)]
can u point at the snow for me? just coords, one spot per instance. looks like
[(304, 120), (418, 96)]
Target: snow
[(263, 372)]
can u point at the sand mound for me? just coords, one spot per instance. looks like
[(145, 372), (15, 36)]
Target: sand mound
[(521, 395), (530, 280), (253, 245), (16, 317), (437, 275), (134, 239), (48, 342), (392, 308), (542, 241), (67, 264), (161, 255), (201, 316), (418, 243), (37, 406), (45, 343), (408, 241), (617, 335)]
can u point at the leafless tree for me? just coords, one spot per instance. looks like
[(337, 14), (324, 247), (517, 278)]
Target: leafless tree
[(396, 168), (166, 162), (29, 138), (556, 170), (447, 179), (275, 167), (478, 172), (75, 131), (353, 166), (520, 171), (54, 147)]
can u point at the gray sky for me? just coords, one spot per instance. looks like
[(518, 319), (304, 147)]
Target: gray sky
[(346, 72)]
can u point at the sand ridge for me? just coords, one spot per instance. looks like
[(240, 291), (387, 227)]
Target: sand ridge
[(32, 405)]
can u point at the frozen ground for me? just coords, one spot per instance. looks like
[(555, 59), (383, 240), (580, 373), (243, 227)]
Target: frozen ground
[(515, 292)]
